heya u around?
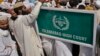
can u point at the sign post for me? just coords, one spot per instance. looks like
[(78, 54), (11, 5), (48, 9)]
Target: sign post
[(73, 26)]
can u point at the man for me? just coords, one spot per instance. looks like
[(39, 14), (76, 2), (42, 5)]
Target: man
[(46, 3), (54, 47), (22, 27), (8, 4), (88, 6), (97, 4), (7, 45)]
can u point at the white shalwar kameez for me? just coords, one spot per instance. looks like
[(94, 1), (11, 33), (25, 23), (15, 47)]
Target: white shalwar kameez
[(7, 5), (7, 45), (28, 40), (62, 49)]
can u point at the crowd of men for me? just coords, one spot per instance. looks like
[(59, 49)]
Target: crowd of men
[(18, 36)]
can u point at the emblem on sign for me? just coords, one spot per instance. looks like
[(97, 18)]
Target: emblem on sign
[(60, 22)]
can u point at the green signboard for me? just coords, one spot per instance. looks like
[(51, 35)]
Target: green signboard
[(75, 27)]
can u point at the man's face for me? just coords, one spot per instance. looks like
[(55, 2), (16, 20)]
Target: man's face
[(12, 13), (4, 24)]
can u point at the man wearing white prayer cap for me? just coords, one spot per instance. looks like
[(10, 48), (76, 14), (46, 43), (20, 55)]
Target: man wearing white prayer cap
[(97, 4), (81, 3), (8, 4), (98, 31), (21, 25), (7, 45), (87, 2), (5, 14), (62, 49)]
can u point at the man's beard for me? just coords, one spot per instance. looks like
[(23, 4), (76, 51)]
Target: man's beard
[(14, 18)]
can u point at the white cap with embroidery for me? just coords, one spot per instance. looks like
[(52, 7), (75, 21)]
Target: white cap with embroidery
[(28, 5), (87, 1), (4, 16)]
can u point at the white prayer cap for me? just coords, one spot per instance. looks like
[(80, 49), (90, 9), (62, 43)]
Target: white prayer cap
[(87, 1), (97, 3), (5, 14), (83, 1), (98, 16), (28, 5), (3, 17), (6, 5)]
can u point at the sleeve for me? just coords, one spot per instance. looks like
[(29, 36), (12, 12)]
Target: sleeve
[(6, 51), (10, 26), (2, 47), (33, 15), (98, 17)]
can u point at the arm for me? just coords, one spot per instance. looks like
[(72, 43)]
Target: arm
[(98, 17), (33, 15), (6, 51)]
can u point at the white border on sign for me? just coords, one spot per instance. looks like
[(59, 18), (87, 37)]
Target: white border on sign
[(70, 41), (69, 10), (94, 34)]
